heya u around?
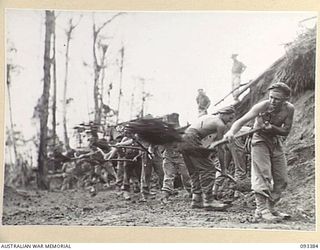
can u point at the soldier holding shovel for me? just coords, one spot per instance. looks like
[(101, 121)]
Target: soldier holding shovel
[(269, 176), (200, 166)]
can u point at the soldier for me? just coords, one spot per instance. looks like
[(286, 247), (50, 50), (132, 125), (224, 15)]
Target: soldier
[(132, 171), (269, 175), (237, 69), (99, 150), (200, 166), (237, 153), (146, 163), (173, 164), (203, 102), (120, 167)]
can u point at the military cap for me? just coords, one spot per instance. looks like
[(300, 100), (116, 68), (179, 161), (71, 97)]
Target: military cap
[(282, 87), (227, 110)]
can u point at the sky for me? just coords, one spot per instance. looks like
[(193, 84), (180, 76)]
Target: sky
[(175, 52)]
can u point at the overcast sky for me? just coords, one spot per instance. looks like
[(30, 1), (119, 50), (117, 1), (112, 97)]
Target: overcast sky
[(176, 52)]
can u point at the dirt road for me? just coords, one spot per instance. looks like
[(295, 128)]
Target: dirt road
[(108, 208)]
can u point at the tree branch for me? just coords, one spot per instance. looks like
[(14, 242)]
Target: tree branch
[(108, 21)]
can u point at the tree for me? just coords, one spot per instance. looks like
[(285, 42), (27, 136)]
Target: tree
[(65, 100), (44, 107), (120, 83), (144, 96), (15, 168), (98, 65), (104, 49), (9, 69), (54, 73)]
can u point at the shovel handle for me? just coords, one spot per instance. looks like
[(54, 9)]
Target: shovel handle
[(227, 175), (223, 141)]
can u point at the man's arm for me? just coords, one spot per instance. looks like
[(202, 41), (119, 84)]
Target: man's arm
[(284, 130), (198, 99), (221, 149), (137, 156), (208, 103), (151, 149), (251, 114), (124, 142), (243, 68)]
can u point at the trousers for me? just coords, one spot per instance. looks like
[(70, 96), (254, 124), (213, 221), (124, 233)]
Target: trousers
[(269, 175), (201, 170), (172, 166)]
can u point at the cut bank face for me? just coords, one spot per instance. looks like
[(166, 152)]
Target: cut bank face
[(276, 99)]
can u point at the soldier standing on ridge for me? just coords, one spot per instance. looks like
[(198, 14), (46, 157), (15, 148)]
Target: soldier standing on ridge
[(237, 69), (203, 102)]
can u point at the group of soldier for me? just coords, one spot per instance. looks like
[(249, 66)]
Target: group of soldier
[(131, 161)]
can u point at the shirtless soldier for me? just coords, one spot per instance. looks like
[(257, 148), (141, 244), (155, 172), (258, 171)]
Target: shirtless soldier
[(269, 175), (200, 166)]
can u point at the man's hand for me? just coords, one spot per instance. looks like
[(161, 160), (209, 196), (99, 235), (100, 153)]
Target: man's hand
[(103, 153), (78, 156), (111, 154), (106, 156), (267, 126), (229, 136), (212, 146)]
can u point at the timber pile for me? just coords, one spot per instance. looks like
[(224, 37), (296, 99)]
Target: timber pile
[(154, 131)]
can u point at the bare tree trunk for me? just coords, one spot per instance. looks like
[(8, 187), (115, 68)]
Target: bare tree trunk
[(120, 84), (54, 103), (16, 165), (131, 105), (103, 73), (44, 109), (64, 101), (97, 69), (65, 86), (143, 98), (10, 113)]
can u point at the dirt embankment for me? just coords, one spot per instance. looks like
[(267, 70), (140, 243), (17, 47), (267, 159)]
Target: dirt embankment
[(300, 147)]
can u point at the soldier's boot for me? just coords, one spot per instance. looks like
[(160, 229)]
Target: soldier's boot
[(143, 197), (262, 213), (188, 194), (210, 204), (271, 207), (126, 195), (215, 192), (119, 190), (93, 191), (136, 188), (145, 194), (197, 201), (164, 197)]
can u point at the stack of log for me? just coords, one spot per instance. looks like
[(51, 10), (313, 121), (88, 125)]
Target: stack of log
[(154, 131)]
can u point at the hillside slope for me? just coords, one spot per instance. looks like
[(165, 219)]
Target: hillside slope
[(300, 147)]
